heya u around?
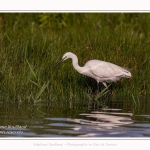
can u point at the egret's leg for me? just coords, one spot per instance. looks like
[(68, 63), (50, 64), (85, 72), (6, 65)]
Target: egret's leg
[(109, 95), (104, 83), (97, 90), (109, 102), (97, 87)]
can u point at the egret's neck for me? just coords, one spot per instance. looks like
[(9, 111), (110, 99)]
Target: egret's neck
[(75, 64)]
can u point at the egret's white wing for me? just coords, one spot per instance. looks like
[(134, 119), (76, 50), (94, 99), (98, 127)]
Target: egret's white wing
[(104, 71)]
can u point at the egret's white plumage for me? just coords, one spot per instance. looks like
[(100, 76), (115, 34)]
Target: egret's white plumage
[(101, 71)]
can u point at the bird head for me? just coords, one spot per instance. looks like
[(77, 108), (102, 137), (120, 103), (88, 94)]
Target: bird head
[(65, 56)]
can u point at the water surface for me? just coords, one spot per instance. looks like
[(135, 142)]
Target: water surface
[(120, 120)]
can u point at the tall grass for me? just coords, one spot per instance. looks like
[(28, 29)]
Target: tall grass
[(31, 44)]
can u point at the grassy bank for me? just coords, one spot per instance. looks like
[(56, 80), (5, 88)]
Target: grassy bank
[(31, 44)]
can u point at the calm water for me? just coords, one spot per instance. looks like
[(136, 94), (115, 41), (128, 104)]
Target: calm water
[(123, 119)]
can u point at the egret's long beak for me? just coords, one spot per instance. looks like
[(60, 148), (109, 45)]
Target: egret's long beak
[(59, 62)]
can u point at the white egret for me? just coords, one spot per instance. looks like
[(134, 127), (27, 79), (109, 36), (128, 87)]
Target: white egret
[(101, 71)]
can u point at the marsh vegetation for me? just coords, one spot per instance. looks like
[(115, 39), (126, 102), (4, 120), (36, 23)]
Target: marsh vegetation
[(31, 44)]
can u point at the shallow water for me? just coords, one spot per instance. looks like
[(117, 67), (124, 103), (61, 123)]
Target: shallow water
[(121, 120)]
